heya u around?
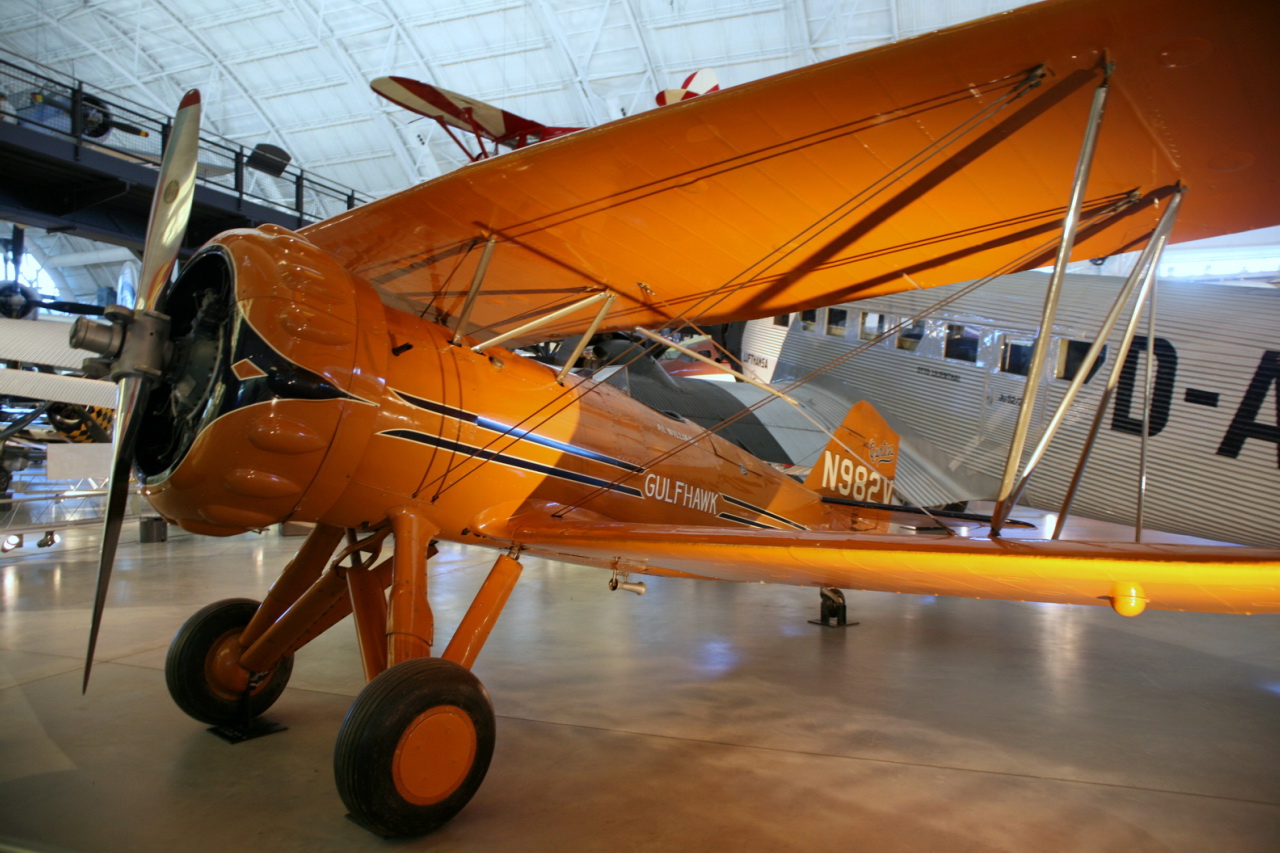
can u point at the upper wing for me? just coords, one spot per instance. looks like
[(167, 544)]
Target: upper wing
[(1223, 579), (772, 196)]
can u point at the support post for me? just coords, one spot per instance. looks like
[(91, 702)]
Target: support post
[(410, 627), (238, 179), (483, 614), (299, 197), (77, 113), (833, 613)]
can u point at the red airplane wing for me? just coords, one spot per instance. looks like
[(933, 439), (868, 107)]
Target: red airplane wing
[(771, 196), (492, 123)]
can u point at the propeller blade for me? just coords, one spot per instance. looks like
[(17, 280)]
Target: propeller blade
[(18, 247), (132, 397), (170, 209), (171, 204), (74, 308), (116, 124)]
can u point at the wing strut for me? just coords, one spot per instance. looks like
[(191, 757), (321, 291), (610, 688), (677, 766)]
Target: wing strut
[(1149, 388), (544, 320), (1148, 283), (1144, 273), (1069, 223), (1146, 269), (585, 338), (478, 279)]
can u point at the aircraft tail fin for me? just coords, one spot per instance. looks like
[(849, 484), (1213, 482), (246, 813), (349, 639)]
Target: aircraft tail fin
[(861, 461)]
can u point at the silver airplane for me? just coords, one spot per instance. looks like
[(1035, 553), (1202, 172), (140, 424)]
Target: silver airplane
[(950, 379)]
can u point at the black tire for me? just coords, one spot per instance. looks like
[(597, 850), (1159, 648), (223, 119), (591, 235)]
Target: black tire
[(192, 678), (430, 708)]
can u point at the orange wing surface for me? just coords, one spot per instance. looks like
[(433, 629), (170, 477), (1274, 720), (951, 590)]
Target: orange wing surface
[(1222, 579), (939, 159)]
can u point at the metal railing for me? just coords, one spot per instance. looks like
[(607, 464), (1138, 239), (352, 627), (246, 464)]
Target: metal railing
[(44, 99)]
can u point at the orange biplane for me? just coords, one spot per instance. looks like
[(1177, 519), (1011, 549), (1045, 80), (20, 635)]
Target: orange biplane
[(362, 373)]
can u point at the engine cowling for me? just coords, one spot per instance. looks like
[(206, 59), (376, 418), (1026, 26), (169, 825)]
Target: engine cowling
[(270, 388)]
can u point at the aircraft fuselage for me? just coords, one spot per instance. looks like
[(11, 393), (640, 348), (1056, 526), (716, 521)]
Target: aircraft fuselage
[(336, 408)]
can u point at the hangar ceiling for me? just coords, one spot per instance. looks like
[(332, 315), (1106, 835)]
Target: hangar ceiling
[(294, 73)]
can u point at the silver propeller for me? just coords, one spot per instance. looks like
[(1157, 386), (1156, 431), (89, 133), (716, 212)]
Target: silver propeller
[(134, 346)]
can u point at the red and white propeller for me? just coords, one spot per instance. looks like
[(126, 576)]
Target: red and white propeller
[(697, 83)]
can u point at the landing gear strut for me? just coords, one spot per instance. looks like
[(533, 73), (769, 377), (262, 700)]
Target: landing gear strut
[(417, 742)]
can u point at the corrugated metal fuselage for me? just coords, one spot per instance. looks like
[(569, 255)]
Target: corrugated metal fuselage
[(1214, 448)]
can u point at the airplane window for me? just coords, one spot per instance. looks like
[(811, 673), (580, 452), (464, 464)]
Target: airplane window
[(783, 320), (962, 343), (837, 318), (872, 326), (1071, 355), (910, 336), (808, 319), (1015, 356)]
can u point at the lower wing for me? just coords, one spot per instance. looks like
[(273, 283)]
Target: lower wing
[(1129, 577)]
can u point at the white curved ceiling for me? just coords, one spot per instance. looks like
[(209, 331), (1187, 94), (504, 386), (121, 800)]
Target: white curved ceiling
[(295, 73)]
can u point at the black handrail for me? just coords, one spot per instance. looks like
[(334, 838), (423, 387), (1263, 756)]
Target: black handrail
[(52, 102)]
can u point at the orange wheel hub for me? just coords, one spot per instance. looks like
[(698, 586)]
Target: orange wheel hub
[(222, 670), (434, 755)]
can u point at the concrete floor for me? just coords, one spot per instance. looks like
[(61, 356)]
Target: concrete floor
[(700, 717)]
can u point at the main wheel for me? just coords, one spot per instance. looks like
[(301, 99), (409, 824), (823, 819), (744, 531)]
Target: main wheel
[(414, 747), (203, 667)]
